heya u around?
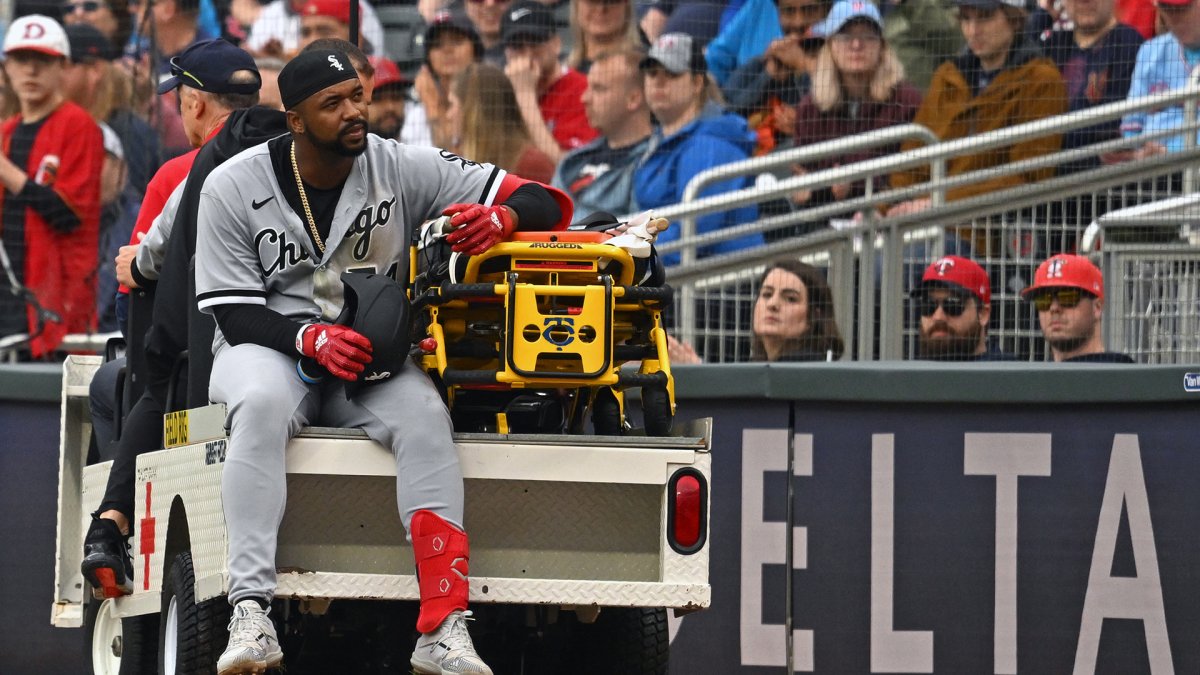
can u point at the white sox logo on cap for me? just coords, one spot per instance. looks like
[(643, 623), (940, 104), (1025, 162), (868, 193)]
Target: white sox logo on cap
[(334, 63), (943, 266)]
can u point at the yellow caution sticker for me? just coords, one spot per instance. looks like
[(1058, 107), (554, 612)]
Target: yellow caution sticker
[(175, 429)]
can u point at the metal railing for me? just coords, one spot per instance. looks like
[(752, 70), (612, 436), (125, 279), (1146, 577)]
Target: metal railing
[(1150, 257), (1008, 231)]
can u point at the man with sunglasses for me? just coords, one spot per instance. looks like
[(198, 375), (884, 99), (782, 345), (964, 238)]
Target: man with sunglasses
[(954, 304), (1068, 293)]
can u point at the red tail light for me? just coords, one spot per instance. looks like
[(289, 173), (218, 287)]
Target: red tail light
[(687, 512)]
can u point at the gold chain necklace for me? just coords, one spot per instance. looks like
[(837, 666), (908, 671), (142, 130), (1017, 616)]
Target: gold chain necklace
[(312, 223)]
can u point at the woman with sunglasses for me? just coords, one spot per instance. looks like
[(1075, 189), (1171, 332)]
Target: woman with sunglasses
[(1068, 294), (792, 319), (857, 86)]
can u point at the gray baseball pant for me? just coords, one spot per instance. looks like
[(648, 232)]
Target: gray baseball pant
[(268, 404)]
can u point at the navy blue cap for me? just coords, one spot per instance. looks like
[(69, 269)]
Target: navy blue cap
[(208, 66)]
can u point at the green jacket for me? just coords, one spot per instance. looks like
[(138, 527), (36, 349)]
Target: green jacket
[(924, 34)]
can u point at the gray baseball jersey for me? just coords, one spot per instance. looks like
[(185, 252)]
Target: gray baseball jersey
[(253, 248)]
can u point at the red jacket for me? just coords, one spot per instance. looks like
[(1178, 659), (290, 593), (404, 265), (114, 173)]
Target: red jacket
[(61, 268), (158, 191)]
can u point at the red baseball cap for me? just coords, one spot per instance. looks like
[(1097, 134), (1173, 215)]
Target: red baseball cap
[(386, 72), (960, 272), (1067, 271), (335, 9)]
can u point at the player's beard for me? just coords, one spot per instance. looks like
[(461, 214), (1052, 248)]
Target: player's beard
[(952, 347), (338, 145)]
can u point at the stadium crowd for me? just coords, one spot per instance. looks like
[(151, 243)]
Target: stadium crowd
[(617, 102)]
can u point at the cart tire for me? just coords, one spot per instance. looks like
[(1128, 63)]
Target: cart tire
[(606, 413), (656, 411), (626, 640), (193, 635), (118, 646)]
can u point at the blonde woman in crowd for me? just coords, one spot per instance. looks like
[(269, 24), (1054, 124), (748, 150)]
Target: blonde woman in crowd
[(488, 126), (857, 86), (600, 26)]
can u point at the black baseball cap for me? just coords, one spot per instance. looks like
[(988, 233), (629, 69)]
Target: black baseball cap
[(208, 66), (88, 43), (310, 72), (446, 20), (527, 22)]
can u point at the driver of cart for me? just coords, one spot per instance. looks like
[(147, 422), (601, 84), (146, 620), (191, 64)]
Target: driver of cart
[(278, 224)]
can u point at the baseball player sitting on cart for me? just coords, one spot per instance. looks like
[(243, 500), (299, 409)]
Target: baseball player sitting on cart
[(278, 225)]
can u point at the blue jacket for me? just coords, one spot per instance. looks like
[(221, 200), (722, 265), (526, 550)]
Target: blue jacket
[(601, 179), (746, 36), (1162, 65), (716, 137)]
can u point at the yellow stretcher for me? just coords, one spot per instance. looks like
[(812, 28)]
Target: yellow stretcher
[(549, 318)]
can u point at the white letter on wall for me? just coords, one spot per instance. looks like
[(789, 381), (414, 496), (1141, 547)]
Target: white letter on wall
[(1006, 456), (1138, 597), (764, 543), (892, 651)]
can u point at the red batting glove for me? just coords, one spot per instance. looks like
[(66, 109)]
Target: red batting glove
[(343, 352), (478, 227)]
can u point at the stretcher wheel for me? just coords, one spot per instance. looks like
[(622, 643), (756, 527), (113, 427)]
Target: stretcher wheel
[(656, 411), (606, 413)]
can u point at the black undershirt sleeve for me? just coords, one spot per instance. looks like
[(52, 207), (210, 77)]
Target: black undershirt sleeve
[(50, 206), (535, 208), (255, 324)]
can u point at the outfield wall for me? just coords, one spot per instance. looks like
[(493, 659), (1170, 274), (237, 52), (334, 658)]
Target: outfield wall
[(935, 519)]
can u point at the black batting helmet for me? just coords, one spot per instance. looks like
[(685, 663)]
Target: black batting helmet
[(377, 307)]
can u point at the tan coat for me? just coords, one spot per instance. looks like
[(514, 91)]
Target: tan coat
[(1029, 88)]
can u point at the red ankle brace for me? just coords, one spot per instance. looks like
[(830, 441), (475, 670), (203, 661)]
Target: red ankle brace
[(441, 553)]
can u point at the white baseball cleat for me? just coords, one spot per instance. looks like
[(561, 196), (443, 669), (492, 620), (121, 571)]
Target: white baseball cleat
[(253, 645), (448, 650)]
